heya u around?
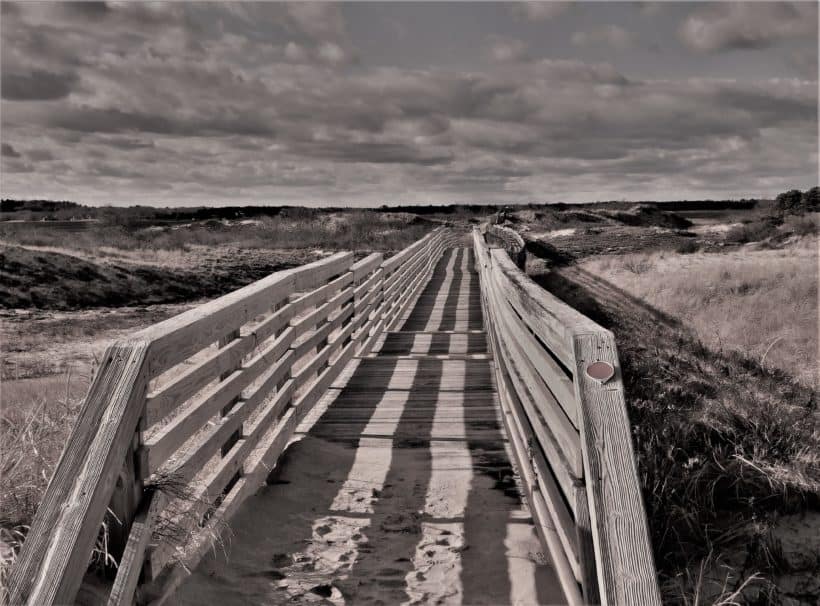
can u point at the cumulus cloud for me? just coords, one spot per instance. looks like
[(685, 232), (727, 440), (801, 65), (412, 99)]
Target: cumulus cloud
[(506, 50), (267, 104), (539, 11), (748, 25), (612, 36)]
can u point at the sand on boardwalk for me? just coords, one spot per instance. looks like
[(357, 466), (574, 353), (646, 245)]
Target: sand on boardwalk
[(341, 525)]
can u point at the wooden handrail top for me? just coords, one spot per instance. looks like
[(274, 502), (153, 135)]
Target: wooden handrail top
[(177, 338)]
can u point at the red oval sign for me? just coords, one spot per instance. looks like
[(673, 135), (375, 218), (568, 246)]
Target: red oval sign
[(600, 371)]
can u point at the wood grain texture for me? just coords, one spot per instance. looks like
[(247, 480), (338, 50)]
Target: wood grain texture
[(54, 558), (130, 566), (556, 435), (542, 516), (552, 320), (363, 268), (177, 338), (623, 554)]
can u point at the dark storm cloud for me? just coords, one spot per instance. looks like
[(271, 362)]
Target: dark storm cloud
[(86, 10), (271, 101), (127, 143), (9, 151), (748, 25), (40, 155), (37, 85), (371, 152), (92, 120)]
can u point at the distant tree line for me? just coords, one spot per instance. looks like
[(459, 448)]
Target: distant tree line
[(10, 206), (795, 202)]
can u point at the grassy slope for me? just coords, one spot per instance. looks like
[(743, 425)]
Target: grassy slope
[(37, 279), (729, 449), (759, 302)]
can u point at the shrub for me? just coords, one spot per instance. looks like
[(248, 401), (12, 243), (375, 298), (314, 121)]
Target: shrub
[(687, 247), (789, 201), (801, 225), (795, 202), (754, 231)]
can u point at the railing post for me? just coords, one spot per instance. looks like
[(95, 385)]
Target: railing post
[(620, 533), (126, 498), (51, 565), (237, 435)]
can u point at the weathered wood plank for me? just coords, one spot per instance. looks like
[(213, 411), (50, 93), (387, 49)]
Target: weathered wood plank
[(623, 553), (54, 559), (557, 436), (520, 428), (177, 338), (550, 372), (207, 443), (164, 401), (164, 441), (539, 509), (363, 268), (552, 320), (130, 565)]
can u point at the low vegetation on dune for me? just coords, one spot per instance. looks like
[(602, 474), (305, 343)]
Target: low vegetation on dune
[(63, 279), (126, 259), (720, 367), (762, 303), (284, 228)]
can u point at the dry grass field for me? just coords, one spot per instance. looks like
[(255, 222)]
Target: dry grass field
[(762, 303), (719, 354)]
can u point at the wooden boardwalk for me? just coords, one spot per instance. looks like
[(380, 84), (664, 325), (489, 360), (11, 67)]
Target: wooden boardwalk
[(345, 432), (400, 486)]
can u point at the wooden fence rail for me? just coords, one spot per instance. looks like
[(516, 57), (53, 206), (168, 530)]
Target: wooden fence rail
[(569, 432), (185, 420)]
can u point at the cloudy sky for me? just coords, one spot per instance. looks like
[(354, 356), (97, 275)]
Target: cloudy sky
[(371, 103)]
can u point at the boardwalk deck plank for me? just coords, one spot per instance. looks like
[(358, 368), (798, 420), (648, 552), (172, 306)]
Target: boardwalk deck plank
[(420, 410)]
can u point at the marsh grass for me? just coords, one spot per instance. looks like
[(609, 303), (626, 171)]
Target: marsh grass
[(36, 418)]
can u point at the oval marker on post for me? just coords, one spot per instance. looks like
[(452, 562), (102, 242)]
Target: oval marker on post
[(600, 371)]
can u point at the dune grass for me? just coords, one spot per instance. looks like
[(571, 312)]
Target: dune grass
[(354, 230), (727, 439), (762, 303)]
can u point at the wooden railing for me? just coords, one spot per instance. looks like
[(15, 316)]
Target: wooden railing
[(186, 419), (570, 434), (510, 240)]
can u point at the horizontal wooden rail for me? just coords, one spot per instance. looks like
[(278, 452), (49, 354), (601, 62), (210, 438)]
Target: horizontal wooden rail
[(508, 239), (569, 432), (184, 421)]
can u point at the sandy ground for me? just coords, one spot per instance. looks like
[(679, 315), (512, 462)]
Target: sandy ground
[(36, 343), (311, 537)]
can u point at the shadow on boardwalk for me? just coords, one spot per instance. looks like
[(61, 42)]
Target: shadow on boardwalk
[(401, 491)]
